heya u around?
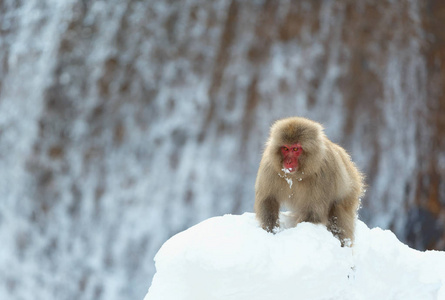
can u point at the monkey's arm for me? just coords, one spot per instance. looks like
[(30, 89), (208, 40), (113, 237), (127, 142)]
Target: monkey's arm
[(342, 219), (267, 210)]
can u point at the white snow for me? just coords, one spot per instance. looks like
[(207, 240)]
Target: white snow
[(288, 180), (231, 257)]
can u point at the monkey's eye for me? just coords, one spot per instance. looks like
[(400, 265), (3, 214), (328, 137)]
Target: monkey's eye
[(295, 149), (285, 149)]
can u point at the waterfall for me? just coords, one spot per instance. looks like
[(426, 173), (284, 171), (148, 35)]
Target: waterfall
[(125, 122)]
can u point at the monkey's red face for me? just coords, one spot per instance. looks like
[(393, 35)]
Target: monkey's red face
[(290, 154)]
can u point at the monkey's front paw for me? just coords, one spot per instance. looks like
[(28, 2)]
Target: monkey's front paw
[(346, 242), (275, 230), (272, 229)]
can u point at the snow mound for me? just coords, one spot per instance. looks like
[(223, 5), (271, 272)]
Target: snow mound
[(231, 257)]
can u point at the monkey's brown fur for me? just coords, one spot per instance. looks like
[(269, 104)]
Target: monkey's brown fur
[(325, 188)]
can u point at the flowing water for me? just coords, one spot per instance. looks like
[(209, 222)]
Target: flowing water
[(125, 122)]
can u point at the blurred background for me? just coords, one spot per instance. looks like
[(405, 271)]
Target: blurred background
[(125, 122)]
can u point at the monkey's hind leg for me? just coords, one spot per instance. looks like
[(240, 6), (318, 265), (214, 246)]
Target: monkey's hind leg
[(342, 221)]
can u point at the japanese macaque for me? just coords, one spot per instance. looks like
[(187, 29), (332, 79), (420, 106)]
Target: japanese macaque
[(313, 177)]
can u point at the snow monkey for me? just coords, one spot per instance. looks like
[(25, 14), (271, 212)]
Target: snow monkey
[(313, 177)]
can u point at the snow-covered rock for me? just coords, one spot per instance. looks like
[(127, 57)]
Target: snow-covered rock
[(231, 257)]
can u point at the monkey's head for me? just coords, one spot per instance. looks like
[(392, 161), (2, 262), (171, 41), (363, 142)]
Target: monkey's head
[(296, 144)]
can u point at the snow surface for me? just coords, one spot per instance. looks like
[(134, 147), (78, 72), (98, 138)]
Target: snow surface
[(231, 257)]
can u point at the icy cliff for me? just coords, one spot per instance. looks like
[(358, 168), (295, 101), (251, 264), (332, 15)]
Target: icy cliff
[(123, 123)]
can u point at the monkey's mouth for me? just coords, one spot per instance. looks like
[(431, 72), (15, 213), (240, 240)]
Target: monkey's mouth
[(290, 164)]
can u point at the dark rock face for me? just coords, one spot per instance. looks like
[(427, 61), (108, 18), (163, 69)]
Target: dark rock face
[(122, 123)]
